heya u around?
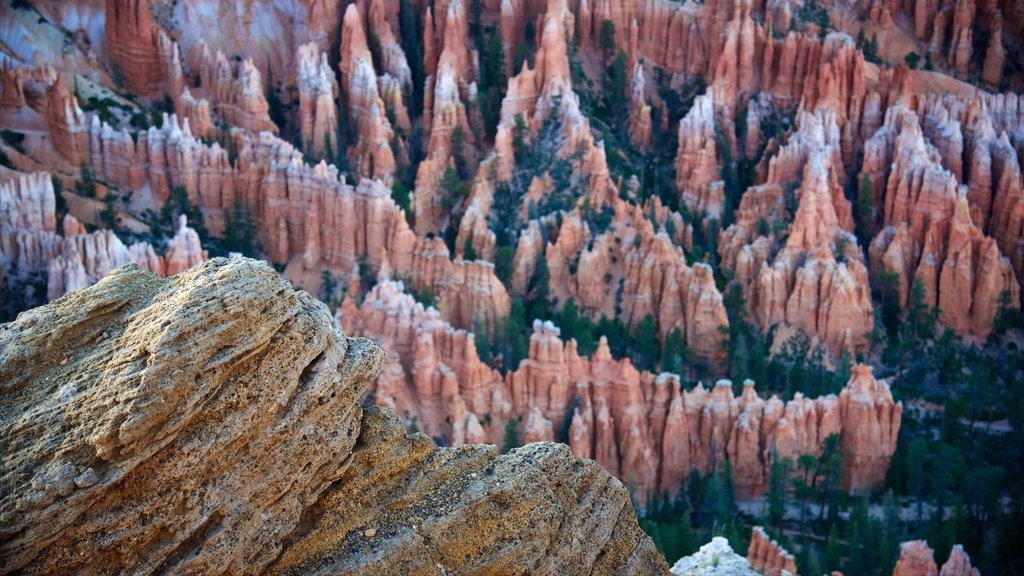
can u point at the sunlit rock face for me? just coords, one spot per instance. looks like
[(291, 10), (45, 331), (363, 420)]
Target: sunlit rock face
[(228, 350)]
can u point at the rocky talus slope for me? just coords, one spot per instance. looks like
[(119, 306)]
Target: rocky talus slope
[(210, 423)]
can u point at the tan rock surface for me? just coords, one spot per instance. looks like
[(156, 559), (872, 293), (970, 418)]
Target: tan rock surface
[(318, 89), (296, 478), (958, 564), (915, 560)]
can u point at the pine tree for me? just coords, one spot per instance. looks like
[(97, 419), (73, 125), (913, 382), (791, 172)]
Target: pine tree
[(728, 505), (539, 291), (327, 285), (833, 553), (109, 217), (808, 560), (483, 343), (645, 343), (240, 230), (865, 210), (450, 185), (512, 439), (468, 252), (688, 542), (606, 38), (674, 352), (891, 533), (777, 483), (917, 454)]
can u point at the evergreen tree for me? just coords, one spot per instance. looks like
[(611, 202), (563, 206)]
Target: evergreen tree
[(833, 552), (539, 291), (468, 252), (568, 320), (870, 49), (450, 186), (615, 86), (516, 338), (512, 439), (777, 484), (865, 211), (503, 258), (400, 194), (917, 454), (891, 533), (240, 231), (409, 22), (327, 285), (728, 507), (645, 343), (695, 490), (482, 342), (830, 471), (606, 38), (459, 152), (688, 541), (674, 353), (86, 184), (712, 501), (807, 561), (109, 217), (519, 149)]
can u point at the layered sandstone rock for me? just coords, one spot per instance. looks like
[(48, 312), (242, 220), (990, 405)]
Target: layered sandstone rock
[(393, 60), (28, 203), (916, 558), (641, 130), (30, 245), (871, 424), (184, 249), (657, 282), (958, 564), (445, 113), (66, 122), (136, 46), (25, 86), (767, 557), (637, 425), (237, 92), (962, 37), (197, 112), (371, 154), (818, 281), (698, 176), (435, 377), (318, 113), (338, 487), (930, 236), (995, 54)]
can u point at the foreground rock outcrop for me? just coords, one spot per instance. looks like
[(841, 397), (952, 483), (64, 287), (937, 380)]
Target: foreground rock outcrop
[(210, 423)]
